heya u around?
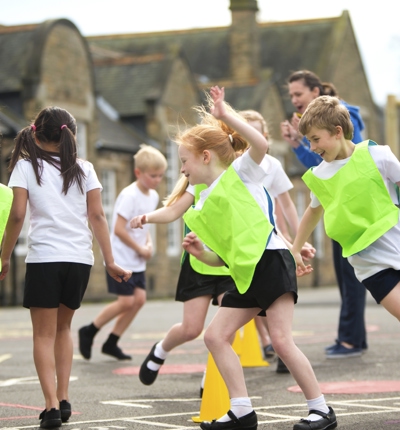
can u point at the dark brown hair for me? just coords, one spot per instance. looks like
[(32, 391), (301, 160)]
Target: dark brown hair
[(51, 125), (311, 80)]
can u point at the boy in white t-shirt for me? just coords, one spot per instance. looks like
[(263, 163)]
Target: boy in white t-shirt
[(357, 187), (132, 248)]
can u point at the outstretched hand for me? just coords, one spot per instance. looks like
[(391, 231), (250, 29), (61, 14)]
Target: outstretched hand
[(138, 221), (218, 97)]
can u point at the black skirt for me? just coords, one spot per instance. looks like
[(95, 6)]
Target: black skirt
[(275, 275), (192, 284)]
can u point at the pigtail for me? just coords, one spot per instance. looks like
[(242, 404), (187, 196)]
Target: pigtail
[(27, 149), (177, 192), (71, 171)]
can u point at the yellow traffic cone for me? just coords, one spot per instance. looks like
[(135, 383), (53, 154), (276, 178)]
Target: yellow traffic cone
[(215, 401), (251, 355)]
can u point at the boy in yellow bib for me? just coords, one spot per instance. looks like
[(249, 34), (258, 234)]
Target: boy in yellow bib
[(231, 218), (357, 187)]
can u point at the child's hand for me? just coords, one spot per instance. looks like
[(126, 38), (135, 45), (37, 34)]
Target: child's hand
[(218, 96), (146, 252), (308, 251), (117, 272), (301, 268), (193, 245), (5, 267), (290, 134), (138, 221)]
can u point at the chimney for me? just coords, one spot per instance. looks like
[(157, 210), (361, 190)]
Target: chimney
[(244, 41)]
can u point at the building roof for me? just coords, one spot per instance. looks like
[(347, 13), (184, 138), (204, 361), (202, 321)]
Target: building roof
[(15, 44), (284, 47), (127, 82)]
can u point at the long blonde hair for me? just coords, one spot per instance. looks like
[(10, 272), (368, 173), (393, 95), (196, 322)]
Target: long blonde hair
[(211, 134)]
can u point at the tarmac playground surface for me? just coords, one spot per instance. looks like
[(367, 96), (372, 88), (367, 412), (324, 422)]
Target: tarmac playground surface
[(107, 394)]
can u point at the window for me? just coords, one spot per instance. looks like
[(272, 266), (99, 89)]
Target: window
[(108, 180), (82, 140), (174, 229)]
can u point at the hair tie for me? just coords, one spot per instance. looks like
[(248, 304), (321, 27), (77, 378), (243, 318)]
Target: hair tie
[(33, 127), (63, 126), (230, 138)]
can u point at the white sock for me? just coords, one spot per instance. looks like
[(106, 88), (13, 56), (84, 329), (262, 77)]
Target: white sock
[(318, 404), (240, 406), (160, 353)]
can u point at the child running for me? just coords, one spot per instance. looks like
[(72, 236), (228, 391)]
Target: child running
[(278, 184), (131, 248), (232, 218), (358, 185), (63, 194), (198, 283)]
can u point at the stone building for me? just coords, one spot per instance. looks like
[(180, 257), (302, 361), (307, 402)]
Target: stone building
[(128, 89)]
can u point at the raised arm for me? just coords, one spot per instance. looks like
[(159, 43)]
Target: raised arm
[(258, 143), (166, 214)]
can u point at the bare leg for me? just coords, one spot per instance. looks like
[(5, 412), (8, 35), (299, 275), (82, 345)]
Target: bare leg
[(218, 338), (121, 305), (262, 330), (125, 319), (44, 323), (280, 317), (63, 351), (194, 316)]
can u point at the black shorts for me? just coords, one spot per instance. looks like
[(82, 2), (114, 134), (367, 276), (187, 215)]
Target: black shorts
[(47, 285), (382, 283), (192, 284), (275, 275), (137, 280)]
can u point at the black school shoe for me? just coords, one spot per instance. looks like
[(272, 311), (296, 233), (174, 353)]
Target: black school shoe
[(247, 422), (66, 411), (327, 421), (146, 375), (85, 342), (281, 367), (115, 351), (50, 419)]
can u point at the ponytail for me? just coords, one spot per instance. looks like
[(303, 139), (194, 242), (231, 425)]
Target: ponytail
[(177, 192)]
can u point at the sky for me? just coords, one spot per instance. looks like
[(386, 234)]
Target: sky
[(375, 24)]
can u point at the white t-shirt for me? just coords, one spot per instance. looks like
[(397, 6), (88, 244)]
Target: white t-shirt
[(132, 202), (384, 253), (58, 228), (277, 181), (252, 175)]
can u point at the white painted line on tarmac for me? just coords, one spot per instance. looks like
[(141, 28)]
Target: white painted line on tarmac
[(5, 357), (267, 414), (26, 380)]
